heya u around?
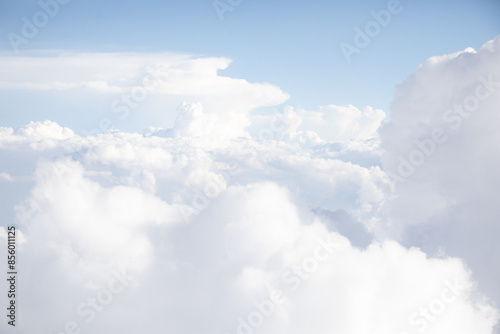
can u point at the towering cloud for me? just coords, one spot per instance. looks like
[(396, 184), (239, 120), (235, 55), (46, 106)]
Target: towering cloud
[(133, 88), (441, 147)]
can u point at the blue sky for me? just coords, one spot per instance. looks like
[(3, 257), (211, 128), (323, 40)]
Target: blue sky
[(287, 43)]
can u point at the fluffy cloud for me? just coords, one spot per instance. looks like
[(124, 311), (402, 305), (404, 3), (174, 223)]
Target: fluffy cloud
[(327, 124), (129, 87), (228, 222), (38, 135), (252, 260), (196, 223), (441, 147), (102, 223)]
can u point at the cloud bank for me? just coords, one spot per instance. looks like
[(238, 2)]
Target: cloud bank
[(447, 185), (298, 221)]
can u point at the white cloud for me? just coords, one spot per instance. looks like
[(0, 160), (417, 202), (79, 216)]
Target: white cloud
[(443, 142), (133, 79), (6, 177), (39, 135), (329, 123), (251, 242), (89, 226), (213, 224)]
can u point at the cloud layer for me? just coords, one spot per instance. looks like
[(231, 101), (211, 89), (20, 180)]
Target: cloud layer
[(227, 221)]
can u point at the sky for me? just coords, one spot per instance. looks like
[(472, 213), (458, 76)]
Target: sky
[(236, 166), (286, 43)]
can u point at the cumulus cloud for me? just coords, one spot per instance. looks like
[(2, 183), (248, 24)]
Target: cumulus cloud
[(38, 135), (253, 260), (229, 222), (135, 85), (184, 161), (191, 121), (441, 149), (327, 124), (101, 223), (197, 223)]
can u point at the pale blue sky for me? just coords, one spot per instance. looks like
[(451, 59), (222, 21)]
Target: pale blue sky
[(292, 44)]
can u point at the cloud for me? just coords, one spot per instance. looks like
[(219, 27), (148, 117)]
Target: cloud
[(329, 123), (226, 266), (71, 215), (441, 148), (38, 135), (191, 121), (134, 85), (64, 70), (6, 177), (197, 232), (188, 163), (280, 223)]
